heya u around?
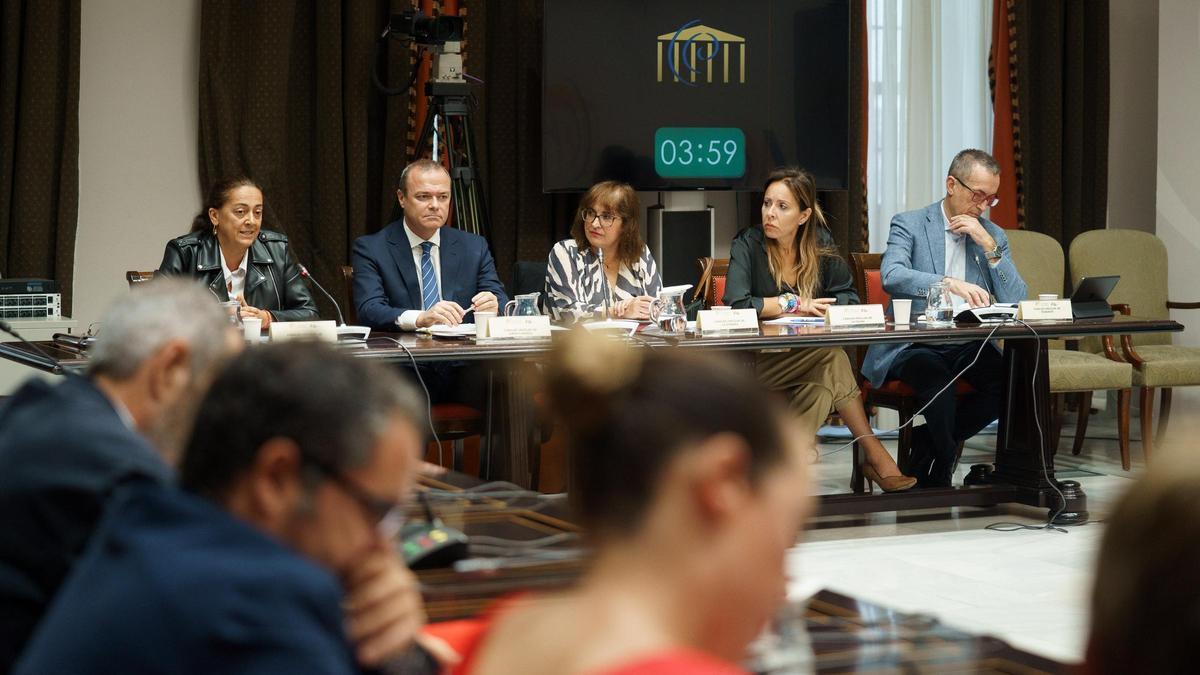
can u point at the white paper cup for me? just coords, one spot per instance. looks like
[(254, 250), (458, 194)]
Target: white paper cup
[(902, 311), (252, 327), (481, 323), (1047, 296)]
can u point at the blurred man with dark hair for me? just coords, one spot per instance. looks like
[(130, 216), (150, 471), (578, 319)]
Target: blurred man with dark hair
[(67, 448), (277, 554)]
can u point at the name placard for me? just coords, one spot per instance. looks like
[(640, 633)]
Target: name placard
[(1045, 310), (726, 321), (854, 316), (321, 331), (518, 328)]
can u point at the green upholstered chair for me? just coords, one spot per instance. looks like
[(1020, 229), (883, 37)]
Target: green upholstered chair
[(1141, 260), (1039, 259)]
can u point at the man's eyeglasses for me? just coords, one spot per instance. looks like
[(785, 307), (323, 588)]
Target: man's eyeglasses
[(387, 515), (979, 196), (606, 219)]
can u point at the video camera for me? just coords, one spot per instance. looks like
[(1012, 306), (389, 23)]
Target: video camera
[(426, 30)]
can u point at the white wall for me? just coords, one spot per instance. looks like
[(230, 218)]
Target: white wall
[(1133, 113), (138, 158), (1177, 217)]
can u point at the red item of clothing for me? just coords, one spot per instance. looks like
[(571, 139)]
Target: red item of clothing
[(466, 637)]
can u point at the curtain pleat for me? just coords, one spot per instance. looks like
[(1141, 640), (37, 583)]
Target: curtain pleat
[(39, 140)]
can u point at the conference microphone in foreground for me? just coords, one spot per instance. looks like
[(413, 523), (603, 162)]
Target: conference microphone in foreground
[(344, 332)]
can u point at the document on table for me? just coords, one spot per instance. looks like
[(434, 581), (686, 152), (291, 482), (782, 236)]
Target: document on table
[(796, 321)]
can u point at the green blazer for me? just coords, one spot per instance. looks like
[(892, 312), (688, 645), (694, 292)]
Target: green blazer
[(750, 279)]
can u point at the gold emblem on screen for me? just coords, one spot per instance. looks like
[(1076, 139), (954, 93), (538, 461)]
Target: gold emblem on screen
[(694, 51)]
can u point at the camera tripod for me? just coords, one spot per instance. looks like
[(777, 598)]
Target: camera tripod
[(449, 118)]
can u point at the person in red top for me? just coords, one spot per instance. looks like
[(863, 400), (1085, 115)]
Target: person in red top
[(691, 482)]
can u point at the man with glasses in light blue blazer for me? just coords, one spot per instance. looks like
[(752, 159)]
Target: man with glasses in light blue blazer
[(949, 241)]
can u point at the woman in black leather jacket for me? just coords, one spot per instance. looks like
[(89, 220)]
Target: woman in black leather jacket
[(229, 251)]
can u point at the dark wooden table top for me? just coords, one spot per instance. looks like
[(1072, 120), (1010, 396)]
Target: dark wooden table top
[(422, 347)]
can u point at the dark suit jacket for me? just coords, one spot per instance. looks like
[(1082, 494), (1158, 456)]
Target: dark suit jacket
[(387, 282), (63, 452), (172, 583), (750, 280)]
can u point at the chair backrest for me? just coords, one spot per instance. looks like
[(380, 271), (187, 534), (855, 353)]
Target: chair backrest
[(867, 279), (711, 286), (134, 277), (1141, 260), (348, 308), (529, 276), (1039, 260)]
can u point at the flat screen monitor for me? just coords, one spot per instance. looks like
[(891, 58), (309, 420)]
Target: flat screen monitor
[(694, 94)]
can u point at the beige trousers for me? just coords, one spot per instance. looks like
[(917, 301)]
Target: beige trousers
[(816, 380)]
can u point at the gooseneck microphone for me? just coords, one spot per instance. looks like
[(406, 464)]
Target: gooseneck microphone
[(7, 328), (604, 283), (987, 279), (304, 273), (344, 332)]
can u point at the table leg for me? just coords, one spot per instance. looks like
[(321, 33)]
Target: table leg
[(1024, 455), (512, 463)]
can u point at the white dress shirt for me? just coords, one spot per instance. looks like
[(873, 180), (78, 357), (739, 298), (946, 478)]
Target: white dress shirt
[(408, 318), (235, 280), (956, 254)]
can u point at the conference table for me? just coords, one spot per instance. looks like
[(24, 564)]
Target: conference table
[(1024, 466)]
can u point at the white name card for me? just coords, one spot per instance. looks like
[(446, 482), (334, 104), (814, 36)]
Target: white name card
[(518, 328), (1045, 310), (854, 316), (726, 321), (321, 331)]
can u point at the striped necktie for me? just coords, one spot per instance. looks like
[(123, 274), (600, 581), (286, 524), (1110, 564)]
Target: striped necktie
[(429, 283)]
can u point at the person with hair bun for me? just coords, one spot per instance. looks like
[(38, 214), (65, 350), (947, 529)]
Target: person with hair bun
[(691, 483), (788, 265), (230, 253)]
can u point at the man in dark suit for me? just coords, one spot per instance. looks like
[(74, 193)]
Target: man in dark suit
[(951, 242), (66, 449), (277, 555), (415, 272)]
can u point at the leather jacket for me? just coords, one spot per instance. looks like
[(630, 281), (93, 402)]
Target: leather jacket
[(273, 280)]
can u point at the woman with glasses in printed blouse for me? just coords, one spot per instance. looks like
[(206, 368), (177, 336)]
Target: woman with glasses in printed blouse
[(606, 228)]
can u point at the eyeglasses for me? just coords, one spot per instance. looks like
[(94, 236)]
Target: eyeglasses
[(387, 515), (978, 196), (606, 219)]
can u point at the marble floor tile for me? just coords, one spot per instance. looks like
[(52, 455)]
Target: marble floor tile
[(1030, 588)]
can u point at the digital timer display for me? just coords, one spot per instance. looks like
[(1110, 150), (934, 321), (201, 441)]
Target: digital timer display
[(699, 152)]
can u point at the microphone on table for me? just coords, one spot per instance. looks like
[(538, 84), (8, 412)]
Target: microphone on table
[(604, 283), (987, 280), (344, 331), (7, 328)]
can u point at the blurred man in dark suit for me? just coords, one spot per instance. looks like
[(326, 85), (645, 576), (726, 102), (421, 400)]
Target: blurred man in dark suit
[(277, 555), (67, 448)]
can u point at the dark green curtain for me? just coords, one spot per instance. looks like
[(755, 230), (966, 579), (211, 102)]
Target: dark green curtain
[(1061, 75), (39, 139), (294, 108)]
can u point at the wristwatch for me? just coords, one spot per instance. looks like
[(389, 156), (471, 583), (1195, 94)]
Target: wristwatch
[(993, 254)]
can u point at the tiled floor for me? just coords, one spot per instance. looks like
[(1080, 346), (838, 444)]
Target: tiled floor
[(1029, 588)]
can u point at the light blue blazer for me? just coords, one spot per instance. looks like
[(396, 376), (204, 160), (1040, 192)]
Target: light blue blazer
[(915, 259)]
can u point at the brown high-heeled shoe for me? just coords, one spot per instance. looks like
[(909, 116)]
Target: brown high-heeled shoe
[(891, 483)]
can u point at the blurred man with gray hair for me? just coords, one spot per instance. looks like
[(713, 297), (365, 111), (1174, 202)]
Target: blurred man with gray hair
[(66, 448)]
